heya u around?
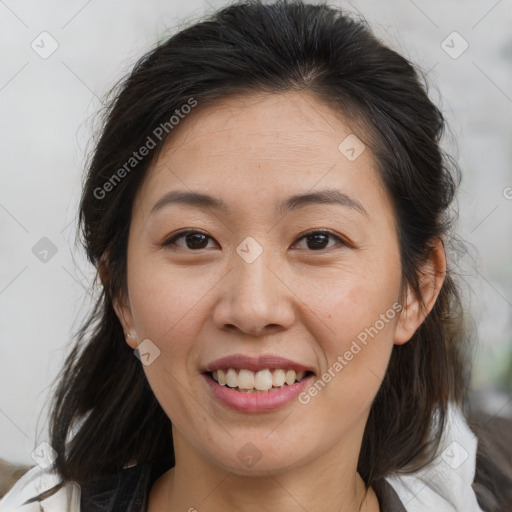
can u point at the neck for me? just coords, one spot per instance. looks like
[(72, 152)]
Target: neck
[(194, 484)]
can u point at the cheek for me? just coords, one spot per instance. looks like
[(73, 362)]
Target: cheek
[(354, 322), (167, 308), (348, 303)]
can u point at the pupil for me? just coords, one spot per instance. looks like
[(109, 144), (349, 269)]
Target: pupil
[(193, 238), (317, 238)]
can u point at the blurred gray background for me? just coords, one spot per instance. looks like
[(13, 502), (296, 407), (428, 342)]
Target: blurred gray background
[(60, 58)]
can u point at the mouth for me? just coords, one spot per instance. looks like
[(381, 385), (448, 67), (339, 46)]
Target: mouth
[(255, 385), (261, 381)]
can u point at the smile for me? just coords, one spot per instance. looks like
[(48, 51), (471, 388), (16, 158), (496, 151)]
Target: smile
[(250, 381), (253, 400)]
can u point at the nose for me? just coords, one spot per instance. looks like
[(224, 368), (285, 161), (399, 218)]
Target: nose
[(254, 298)]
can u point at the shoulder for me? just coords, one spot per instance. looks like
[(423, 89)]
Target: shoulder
[(125, 490), (446, 482), (34, 482)]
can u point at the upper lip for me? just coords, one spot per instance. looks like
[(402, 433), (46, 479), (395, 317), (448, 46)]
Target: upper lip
[(262, 362)]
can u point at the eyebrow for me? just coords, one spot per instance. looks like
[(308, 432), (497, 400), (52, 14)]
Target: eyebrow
[(295, 202)]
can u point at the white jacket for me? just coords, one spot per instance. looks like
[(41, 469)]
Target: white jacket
[(444, 485)]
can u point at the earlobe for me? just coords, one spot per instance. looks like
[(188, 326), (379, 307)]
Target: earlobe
[(409, 319), (122, 310), (415, 309), (124, 315)]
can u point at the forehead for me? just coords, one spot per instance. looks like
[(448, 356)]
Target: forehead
[(259, 125), (261, 145)]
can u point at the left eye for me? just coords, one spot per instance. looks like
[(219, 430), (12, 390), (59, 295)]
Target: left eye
[(318, 239), (196, 240)]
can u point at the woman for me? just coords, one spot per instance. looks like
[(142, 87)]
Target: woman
[(268, 209)]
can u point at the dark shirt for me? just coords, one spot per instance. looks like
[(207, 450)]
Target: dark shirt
[(129, 489)]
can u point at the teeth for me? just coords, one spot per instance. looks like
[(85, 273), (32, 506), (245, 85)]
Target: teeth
[(264, 380), (290, 377), (221, 378), (245, 379), (278, 378), (232, 378)]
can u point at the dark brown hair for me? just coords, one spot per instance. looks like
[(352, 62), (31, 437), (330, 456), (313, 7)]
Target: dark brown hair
[(103, 394)]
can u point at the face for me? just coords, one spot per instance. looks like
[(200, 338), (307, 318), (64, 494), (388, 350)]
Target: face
[(317, 283)]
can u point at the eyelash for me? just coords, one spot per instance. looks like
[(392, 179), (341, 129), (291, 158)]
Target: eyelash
[(172, 240)]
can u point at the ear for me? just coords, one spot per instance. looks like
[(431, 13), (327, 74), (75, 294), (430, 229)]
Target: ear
[(431, 278), (121, 307), (124, 313)]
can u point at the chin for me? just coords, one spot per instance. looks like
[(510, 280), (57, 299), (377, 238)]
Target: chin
[(251, 460)]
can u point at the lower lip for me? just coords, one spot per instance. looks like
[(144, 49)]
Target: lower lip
[(256, 402)]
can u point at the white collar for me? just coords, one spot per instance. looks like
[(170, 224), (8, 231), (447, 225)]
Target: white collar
[(32, 483), (445, 484)]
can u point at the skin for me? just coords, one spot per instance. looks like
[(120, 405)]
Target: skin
[(306, 304)]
